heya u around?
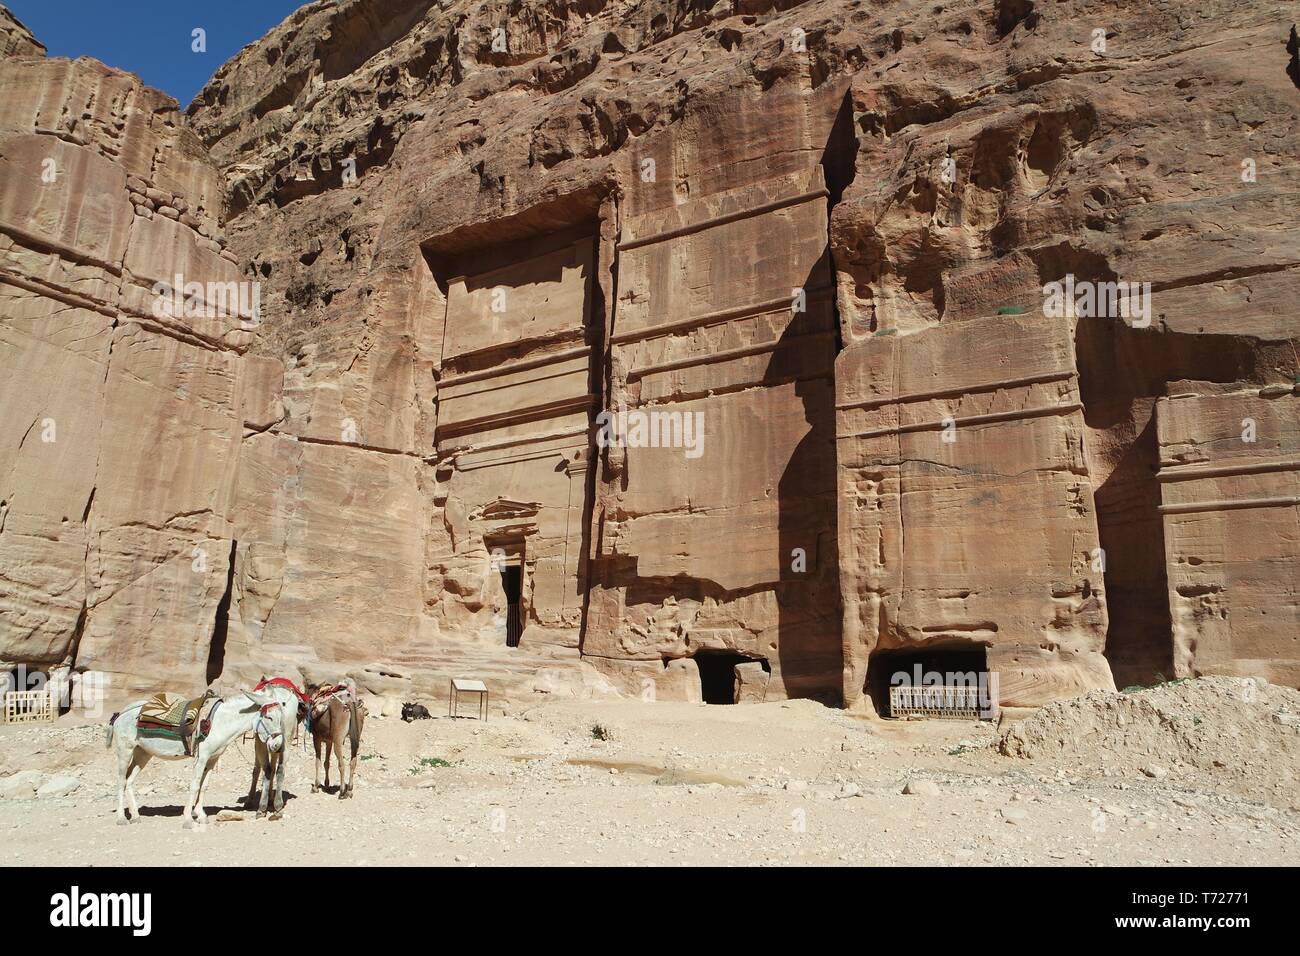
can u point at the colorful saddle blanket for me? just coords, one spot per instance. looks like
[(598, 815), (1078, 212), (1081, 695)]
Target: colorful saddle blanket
[(171, 717), (320, 700)]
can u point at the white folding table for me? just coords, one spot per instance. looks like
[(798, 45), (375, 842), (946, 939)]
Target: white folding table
[(461, 685)]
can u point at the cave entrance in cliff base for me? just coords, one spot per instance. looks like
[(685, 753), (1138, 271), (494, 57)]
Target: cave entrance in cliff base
[(718, 675), (948, 664)]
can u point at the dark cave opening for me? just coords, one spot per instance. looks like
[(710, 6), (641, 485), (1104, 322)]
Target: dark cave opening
[(512, 584), (961, 664), (718, 675)]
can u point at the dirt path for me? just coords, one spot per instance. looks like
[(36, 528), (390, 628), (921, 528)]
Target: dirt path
[(672, 784)]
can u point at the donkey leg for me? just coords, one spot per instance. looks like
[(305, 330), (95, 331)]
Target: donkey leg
[(352, 774), (124, 761), (138, 762), (270, 767), (265, 796), (278, 806), (352, 768), (196, 784), (329, 746), (200, 817), (257, 795), (343, 766), (252, 787), (316, 743)]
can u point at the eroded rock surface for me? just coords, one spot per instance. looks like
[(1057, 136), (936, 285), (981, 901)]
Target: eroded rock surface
[(121, 432), (16, 39), (819, 230)]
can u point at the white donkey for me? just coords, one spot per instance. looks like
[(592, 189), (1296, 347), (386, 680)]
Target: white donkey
[(232, 718), (271, 747)]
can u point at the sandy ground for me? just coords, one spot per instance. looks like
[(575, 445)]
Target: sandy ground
[(674, 784)]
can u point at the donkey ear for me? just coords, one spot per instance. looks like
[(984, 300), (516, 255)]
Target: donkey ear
[(261, 700)]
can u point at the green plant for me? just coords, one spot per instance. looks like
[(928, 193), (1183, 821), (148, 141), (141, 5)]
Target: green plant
[(600, 732), (425, 762)]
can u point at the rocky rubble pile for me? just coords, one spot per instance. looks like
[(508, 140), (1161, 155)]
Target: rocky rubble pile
[(38, 761), (1243, 732)]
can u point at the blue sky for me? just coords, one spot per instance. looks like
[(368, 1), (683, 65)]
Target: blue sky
[(152, 38)]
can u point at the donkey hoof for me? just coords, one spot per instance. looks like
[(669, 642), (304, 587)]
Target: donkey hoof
[(123, 821), (315, 789), (135, 819)]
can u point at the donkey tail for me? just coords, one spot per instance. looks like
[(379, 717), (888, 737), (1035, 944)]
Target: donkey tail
[(354, 727), (108, 733)]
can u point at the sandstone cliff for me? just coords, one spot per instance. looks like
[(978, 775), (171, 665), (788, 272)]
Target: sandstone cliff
[(821, 229), (122, 423), (16, 39)]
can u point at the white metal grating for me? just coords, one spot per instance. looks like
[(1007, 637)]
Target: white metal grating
[(945, 702), (29, 706)]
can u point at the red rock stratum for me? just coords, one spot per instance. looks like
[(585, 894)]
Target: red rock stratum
[(957, 336)]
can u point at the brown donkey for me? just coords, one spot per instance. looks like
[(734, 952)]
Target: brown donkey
[(337, 715)]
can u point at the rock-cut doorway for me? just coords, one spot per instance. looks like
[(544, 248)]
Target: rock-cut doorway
[(512, 583)]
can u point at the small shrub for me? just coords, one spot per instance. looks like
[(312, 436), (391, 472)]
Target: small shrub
[(425, 762)]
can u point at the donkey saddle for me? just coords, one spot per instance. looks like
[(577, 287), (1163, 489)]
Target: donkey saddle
[(172, 717)]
